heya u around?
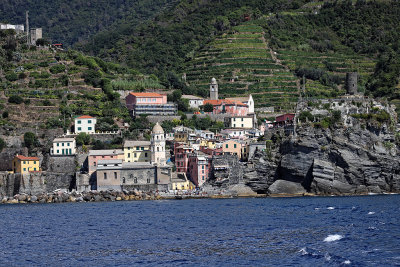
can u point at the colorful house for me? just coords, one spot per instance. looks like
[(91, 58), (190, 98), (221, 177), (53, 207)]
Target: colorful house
[(232, 147), (150, 103), (106, 154), (224, 106), (247, 100), (244, 122), (63, 147), (179, 181), (285, 119), (85, 124), (181, 152), (199, 168), (25, 165), (194, 101), (137, 151)]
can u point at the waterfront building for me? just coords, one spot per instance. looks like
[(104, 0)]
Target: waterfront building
[(85, 124), (105, 154), (181, 152), (109, 174), (25, 165), (63, 147), (199, 168), (179, 181), (137, 151)]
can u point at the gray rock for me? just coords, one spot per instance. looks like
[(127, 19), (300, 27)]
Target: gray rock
[(34, 198), (286, 187)]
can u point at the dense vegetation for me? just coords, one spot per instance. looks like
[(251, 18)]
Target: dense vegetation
[(75, 20)]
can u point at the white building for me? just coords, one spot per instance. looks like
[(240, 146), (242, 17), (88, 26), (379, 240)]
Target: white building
[(85, 124), (63, 147), (194, 101), (234, 133), (157, 146), (245, 122), (18, 28), (247, 100)]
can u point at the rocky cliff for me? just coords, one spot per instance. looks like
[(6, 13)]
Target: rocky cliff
[(337, 160)]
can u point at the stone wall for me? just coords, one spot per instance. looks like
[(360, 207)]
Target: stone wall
[(62, 164)]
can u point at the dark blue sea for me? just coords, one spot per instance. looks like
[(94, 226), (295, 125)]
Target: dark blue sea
[(307, 231)]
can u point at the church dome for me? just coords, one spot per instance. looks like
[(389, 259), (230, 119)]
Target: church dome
[(157, 129), (213, 81)]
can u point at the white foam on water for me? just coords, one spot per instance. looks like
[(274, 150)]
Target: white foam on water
[(371, 212), (303, 251), (331, 238), (327, 257), (347, 262), (330, 208), (317, 208)]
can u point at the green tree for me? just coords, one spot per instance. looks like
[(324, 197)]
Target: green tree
[(83, 139), (30, 140), (15, 99), (2, 144), (208, 107)]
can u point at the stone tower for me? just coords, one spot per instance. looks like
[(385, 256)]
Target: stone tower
[(157, 144), (213, 89), (351, 83)]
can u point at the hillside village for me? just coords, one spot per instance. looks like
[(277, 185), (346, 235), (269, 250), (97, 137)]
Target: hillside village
[(91, 125)]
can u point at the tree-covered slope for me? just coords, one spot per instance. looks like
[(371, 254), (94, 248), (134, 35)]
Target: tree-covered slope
[(75, 20)]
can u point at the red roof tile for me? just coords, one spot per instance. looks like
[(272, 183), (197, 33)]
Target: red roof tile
[(224, 101), (146, 94), (85, 117), (20, 157)]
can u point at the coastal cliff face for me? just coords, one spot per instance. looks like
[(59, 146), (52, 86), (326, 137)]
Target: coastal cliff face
[(342, 160)]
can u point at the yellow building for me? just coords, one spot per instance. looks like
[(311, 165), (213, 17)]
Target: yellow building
[(207, 143), (137, 151), (180, 182), (181, 137), (243, 122), (24, 165), (232, 147)]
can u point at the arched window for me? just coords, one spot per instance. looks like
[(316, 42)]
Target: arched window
[(123, 180), (157, 137), (135, 180), (158, 149)]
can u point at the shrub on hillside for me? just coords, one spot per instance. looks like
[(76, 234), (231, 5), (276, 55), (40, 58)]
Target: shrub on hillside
[(15, 99), (57, 69), (11, 76)]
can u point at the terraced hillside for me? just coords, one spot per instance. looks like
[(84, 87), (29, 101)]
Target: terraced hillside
[(242, 63), (333, 64), (45, 88)]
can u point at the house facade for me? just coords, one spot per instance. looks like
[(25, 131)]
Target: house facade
[(247, 100), (194, 101), (199, 168), (137, 151), (106, 154), (25, 165), (232, 147), (85, 124), (63, 147), (149, 103), (108, 175), (233, 107), (244, 122)]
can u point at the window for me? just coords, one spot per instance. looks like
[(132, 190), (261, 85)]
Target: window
[(34, 162), (202, 171), (148, 180), (58, 144), (129, 155), (226, 146), (58, 151), (115, 175), (34, 169), (63, 151), (105, 176), (70, 151), (202, 167), (234, 125), (79, 129), (24, 162), (145, 154), (234, 145), (94, 163), (67, 144), (242, 119), (135, 180), (89, 128), (79, 122), (102, 157), (158, 149), (135, 155), (123, 180), (24, 169), (242, 125), (234, 119), (89, 121), (62, 144), (203, 178), (142, 148)]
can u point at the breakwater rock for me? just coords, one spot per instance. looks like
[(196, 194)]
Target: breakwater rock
[(62, 196)]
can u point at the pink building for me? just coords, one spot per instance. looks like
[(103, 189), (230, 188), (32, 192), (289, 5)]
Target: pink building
[(181, 152), (211, 151), (232, 107), (150, 103), (199, 168), (284, 119), (108, 154)]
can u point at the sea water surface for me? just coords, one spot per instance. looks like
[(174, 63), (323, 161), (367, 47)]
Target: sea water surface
[(307, 231)]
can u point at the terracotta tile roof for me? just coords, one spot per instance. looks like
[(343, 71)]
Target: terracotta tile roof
[(85, 117), (224, 101), (20, 157), (146, 94)]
